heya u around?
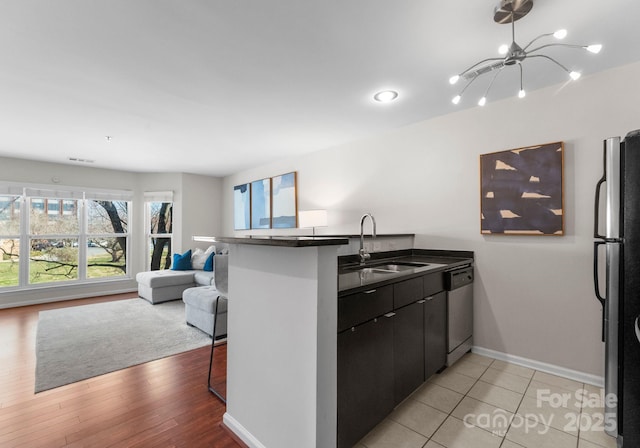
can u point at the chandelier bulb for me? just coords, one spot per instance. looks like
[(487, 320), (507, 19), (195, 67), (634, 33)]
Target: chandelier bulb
[(482, 101), (454, 79), (503, 49), (575, 75), (522, 93), (595, 49), (456, 99), (560, 34)]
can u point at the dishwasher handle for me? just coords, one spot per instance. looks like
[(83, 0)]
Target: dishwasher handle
[(458, 278)]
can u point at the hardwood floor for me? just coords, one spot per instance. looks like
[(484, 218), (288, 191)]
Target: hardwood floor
[(163, 403)]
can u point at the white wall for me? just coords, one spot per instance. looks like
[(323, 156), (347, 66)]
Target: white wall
[(202, 208), (197, 204), (533, 295)]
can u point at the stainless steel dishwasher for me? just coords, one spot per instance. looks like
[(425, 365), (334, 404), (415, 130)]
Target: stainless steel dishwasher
[(459, 285)]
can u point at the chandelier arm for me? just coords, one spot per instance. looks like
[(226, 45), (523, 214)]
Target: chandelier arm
[(552, 60), (556, 45), (521, 88), (492, 80), (491, 84), (478, 63), (468, 84), (534, 40)]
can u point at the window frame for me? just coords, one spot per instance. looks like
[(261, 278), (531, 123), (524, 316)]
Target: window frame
[(64, 209), (151, 197)]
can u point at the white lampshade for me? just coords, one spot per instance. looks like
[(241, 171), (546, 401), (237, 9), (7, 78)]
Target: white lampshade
[(312, 218)]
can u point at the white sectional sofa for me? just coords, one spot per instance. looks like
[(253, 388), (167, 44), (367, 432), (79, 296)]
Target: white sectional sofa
[(164, 285)]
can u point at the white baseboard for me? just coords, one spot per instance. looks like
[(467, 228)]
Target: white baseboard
[(542, 366), (84, 295), (235, 427)]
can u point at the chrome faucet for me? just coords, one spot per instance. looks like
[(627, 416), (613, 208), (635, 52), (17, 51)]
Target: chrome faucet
[(364, 255)]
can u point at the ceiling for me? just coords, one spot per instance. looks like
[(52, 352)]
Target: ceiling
[(215, 87)]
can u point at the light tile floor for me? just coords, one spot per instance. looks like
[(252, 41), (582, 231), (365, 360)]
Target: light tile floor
[(480, 402)]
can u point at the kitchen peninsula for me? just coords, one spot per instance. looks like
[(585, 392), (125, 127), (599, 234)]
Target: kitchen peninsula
[(285, 295), (281, 349)]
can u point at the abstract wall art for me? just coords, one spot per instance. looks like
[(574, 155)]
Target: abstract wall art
[(284, 201), (261, 204), (521, 191), (242, 207)]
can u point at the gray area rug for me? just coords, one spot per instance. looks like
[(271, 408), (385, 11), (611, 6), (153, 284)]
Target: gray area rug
[(81, 342)]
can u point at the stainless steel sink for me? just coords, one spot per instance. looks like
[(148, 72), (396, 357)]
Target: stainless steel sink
[(394, 267), (389, 267), (376, 270)]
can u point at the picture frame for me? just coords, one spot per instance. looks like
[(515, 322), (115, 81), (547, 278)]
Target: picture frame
[(284, 201), (522, 191), (242, 207), (261, 204)]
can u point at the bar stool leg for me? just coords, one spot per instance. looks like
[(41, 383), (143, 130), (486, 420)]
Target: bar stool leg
[(213, 343)]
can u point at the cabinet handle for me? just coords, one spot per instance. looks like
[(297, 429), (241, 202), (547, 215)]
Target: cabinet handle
[(421, 301), (430, 298), (388, 315), (371, 291)]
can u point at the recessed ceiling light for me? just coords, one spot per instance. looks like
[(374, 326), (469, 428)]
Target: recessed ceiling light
[(385, 96)]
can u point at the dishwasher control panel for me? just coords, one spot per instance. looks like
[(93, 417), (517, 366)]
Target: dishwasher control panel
[(458, 278)]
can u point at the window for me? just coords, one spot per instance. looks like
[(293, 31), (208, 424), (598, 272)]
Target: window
[(107, 229), (67, 236), (9, 240), (159, 228), (53, 241)]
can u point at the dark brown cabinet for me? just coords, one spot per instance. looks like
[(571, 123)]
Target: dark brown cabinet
[(358, 308), (435, 333), (365, 378), (408, 350), (390, 339)]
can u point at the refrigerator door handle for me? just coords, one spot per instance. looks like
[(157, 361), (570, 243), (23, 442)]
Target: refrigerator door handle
[(596, 217), (603, 179), (637, 327), (596, 282)]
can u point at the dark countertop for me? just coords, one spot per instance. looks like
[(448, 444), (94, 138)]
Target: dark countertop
[(299, 241), (352, 280), (285, 241)]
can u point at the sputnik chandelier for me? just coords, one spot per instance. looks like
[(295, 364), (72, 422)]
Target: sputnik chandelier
[(508, 11)]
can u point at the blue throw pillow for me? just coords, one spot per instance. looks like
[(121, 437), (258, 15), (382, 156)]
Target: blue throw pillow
[(182, 262), (208, 265)]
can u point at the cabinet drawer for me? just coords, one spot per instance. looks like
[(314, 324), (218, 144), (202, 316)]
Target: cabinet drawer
[(407, 292), (363, 306), (433, 283)]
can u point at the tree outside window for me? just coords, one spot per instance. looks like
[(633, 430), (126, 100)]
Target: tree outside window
[(107, 230), (160, 228), (64, 239)]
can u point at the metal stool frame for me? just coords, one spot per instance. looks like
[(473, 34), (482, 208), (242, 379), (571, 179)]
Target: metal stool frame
[(213, 344)]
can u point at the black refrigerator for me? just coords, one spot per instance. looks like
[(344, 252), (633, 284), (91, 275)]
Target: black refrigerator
[(617, 245)]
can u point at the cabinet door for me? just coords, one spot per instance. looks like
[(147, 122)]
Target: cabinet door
[(408, 349), (435, 333), (433, 284), (354, 309), (365, 379), (407, 292)]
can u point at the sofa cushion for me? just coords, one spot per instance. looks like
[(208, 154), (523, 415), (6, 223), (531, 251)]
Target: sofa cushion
[(182, 262), (200, 257), (221, 270), (208, 265), (204, 298), (203, 278), (166, 277)]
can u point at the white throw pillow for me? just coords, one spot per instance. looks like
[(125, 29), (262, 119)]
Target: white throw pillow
[(199, 257)]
